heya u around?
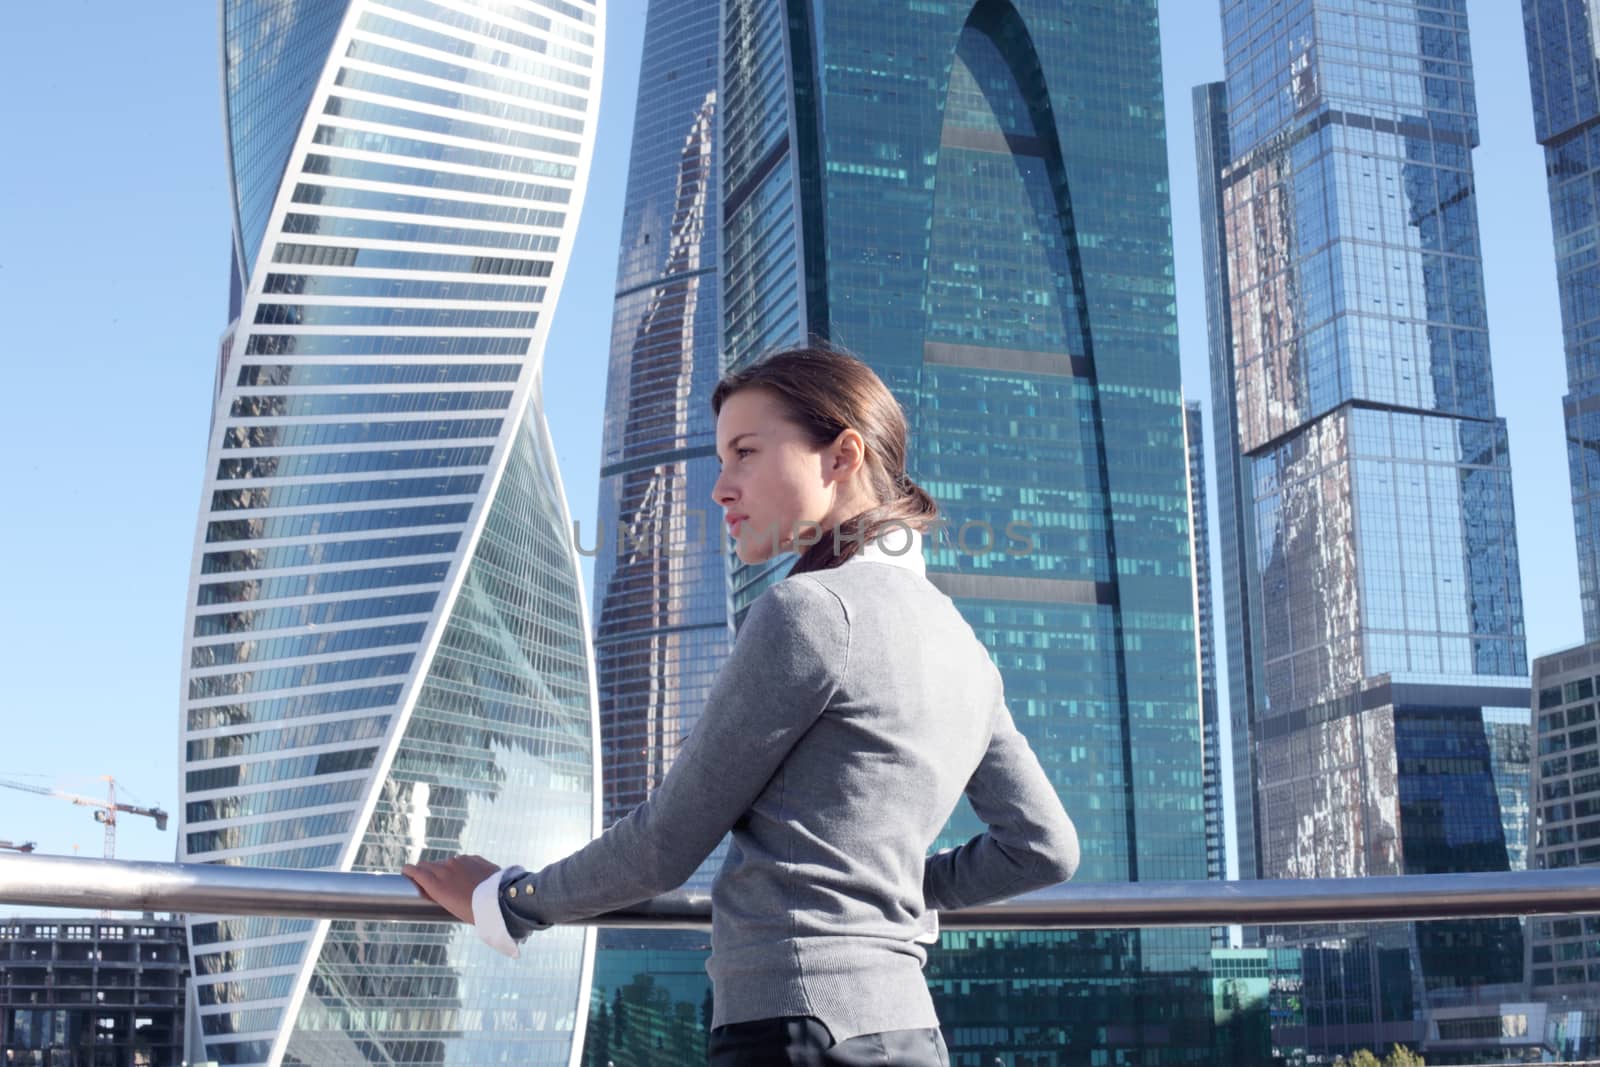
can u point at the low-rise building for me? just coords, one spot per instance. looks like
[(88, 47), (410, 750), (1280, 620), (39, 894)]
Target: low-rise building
[(92, 992)]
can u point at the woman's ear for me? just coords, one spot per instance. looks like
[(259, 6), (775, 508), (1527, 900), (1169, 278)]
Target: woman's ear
[(849, 453)]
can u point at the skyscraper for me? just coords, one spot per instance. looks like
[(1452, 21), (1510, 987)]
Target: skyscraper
[(1239, 614), (662, 627), (1367, 482), (386, 653), (1563, 68), (1205, 646), (972, 197), (1562, 36)]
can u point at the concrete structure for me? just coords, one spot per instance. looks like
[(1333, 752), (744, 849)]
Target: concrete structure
[(1563, 958), (79, 991)]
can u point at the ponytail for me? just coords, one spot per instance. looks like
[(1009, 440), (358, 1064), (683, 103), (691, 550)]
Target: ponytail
[(914, 509)]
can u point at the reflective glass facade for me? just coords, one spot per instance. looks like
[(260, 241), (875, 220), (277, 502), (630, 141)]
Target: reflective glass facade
[(273, 53), (1378, 602), (387, 654), (662, 622), (1240, 596), (1205, 645), (771, 294), (1563, 67), (972, 197)]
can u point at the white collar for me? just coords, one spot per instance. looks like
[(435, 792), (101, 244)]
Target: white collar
[(892, 547)]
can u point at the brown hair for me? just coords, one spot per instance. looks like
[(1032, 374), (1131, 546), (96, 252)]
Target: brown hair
[(826, 391)]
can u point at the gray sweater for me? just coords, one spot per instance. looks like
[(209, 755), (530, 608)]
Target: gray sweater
[(855, 709)]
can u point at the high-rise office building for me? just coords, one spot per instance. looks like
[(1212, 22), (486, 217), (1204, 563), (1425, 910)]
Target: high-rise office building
[(1366, 493), (386, 654), (662, 624), (972, 197), (1564, 70), (1564, 952), (1563, 66), (1205, 649), (1233, 523)]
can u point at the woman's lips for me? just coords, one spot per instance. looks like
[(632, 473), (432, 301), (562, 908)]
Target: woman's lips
[(733, 523)]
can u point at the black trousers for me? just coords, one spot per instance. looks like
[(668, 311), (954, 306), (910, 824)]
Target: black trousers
[(801, 1041)]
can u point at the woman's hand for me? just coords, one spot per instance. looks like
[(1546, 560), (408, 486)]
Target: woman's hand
[(450, 882)]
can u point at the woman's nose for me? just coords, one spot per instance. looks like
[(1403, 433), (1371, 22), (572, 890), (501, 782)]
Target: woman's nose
[(721, 492)]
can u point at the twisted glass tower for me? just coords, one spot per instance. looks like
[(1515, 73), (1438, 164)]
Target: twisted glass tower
[(973, 198), (386, 654), (1370, 557)]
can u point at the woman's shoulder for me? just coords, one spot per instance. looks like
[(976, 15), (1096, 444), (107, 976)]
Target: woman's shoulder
[(798, 601), (869, 594), (795, 621)]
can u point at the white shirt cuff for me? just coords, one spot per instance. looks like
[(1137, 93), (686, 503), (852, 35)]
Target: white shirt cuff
[(486, 916)]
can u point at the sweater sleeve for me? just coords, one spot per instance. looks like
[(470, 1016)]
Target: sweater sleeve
[(1030, 842), (782, 672)]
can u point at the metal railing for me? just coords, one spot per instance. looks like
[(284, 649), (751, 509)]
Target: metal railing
[(93, 884)]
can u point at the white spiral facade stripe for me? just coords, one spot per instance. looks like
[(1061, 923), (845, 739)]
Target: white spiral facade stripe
[(386, 647)]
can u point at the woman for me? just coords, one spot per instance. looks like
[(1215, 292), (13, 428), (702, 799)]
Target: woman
[(854, 710)]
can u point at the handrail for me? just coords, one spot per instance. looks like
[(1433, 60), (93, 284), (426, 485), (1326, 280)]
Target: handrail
[(95, 884)]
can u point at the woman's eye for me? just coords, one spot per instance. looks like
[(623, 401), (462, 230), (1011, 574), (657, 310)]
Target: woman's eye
[(742, 452)]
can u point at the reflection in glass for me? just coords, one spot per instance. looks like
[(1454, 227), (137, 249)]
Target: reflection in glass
[(972, 198), (1562, 67), (387, 652), (662, 627), (1374, 599)]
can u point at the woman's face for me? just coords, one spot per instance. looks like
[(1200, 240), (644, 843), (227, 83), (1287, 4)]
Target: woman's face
[(774, 483)]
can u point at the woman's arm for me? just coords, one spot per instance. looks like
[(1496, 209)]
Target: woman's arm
[(781, 674), (1030, 842)]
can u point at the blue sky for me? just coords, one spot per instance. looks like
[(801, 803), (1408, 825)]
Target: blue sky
[(114, 242)]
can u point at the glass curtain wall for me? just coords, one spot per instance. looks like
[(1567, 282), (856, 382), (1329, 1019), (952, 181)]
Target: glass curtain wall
[(1366, 493), (973, 198), (1211, 725), (1563, 67), (387, 654), (662, 624)]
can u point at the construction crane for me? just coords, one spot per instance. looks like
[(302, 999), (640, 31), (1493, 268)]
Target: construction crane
[(105, 810), (25, 846)]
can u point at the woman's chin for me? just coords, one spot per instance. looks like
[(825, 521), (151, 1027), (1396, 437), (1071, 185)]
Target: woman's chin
[(753, 551)]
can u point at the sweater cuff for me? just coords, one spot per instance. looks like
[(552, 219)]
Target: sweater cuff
[(487, 917)]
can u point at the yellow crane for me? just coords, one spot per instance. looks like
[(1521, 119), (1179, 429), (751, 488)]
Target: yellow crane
[(105, 810)]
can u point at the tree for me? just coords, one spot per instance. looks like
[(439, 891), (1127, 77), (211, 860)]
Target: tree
[(598, 1042), (619, 1020), (1364, 1057), (1400, 1056)]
